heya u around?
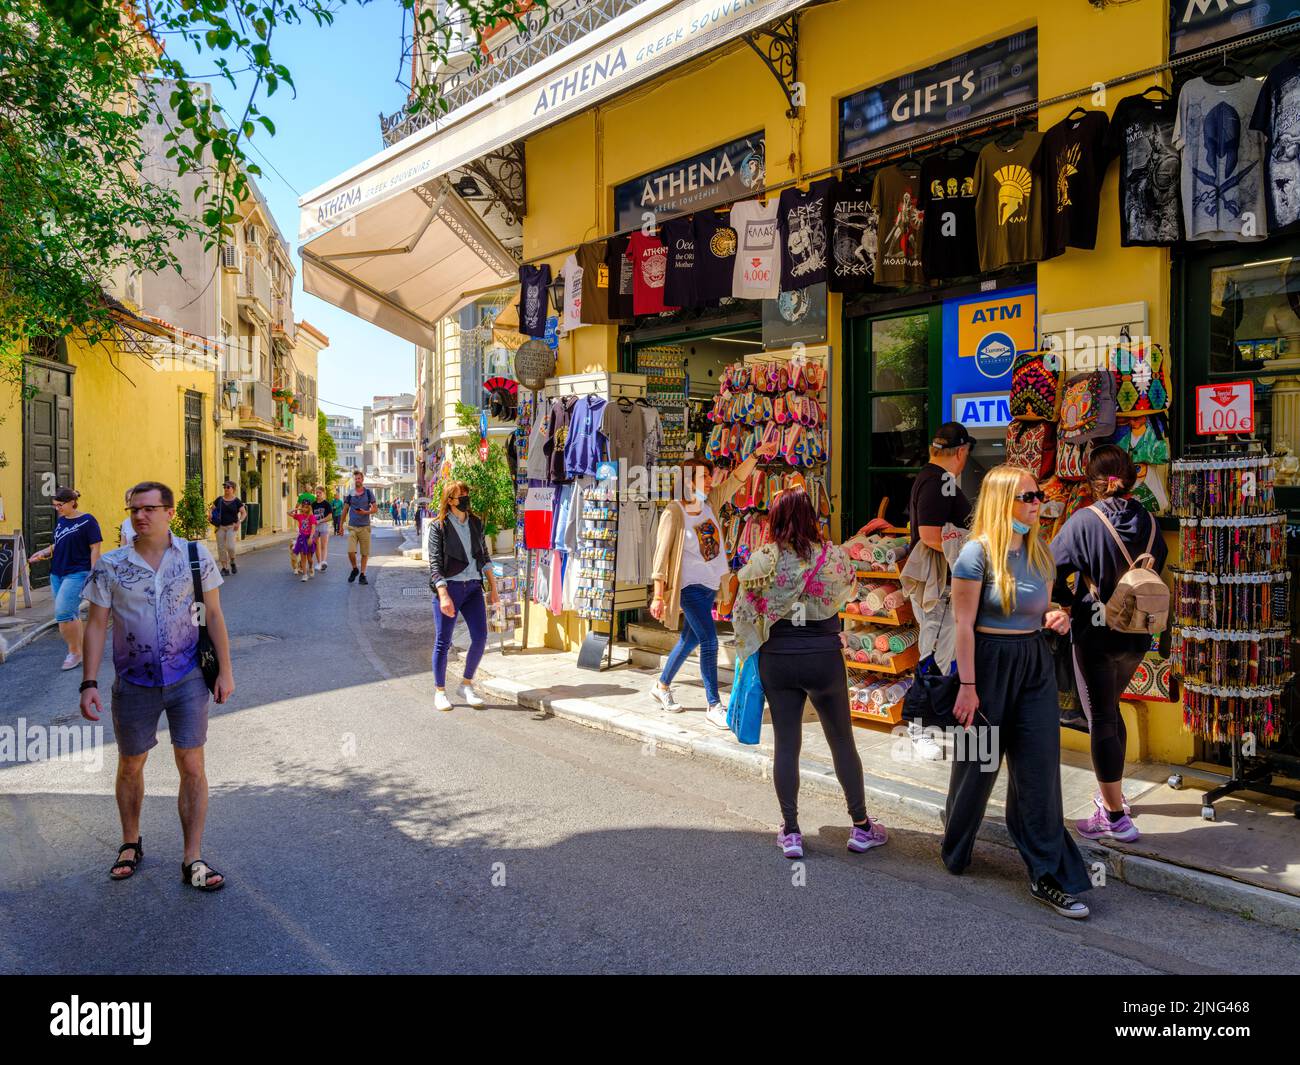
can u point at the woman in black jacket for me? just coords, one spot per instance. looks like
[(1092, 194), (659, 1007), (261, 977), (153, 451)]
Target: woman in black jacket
[(458, 563)]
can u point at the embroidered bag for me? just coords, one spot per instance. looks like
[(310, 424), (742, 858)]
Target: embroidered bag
[(1032, 447), (1035, 386), (1088, 406), (1142, 378), (1072, 459), (1145, 438)]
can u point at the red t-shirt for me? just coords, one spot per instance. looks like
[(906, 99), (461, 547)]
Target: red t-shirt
[(649, 271)]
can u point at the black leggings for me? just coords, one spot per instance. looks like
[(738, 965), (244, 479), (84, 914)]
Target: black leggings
[(789, 680), (1103, 667)]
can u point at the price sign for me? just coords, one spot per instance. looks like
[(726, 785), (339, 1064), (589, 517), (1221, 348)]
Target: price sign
[(1225, 408)]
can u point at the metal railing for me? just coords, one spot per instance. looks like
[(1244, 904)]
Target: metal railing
[(255, 283)]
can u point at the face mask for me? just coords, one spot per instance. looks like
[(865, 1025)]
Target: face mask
[(1019, 526), (462, 503), (701, 496)]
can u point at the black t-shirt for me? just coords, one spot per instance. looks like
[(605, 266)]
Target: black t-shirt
[(787, 638), (1150, 171), (802, 218), (929, 504), (948, 195), (1074, 164), (533, 283), (620, 279), (1277, 116), (228, 510), (678, 235), (854, 236), (73, 539), (323, 511), (715, 257)]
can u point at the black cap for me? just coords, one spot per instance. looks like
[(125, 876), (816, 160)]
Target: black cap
[(950, 435), (66, 495), (227, 483)]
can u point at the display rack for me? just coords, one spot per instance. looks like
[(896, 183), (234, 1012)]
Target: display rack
[(1232, 611)]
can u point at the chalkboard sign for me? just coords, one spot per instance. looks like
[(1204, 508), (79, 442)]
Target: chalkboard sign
[(8, 552)]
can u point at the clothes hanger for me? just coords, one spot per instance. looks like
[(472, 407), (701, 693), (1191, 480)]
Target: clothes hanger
[(1010, 137), (910, 162), (956, 147), (1159, 90), (1078, 112), (1225, 74)]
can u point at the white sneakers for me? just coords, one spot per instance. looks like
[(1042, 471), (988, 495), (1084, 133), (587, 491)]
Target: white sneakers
[(716, 715), (465, 693), (923, 743), (304, 578), (666, 699)]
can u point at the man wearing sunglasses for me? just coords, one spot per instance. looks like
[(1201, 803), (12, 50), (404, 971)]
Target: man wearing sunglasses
[(148, 589)]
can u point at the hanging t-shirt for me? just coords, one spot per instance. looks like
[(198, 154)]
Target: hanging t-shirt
[(572, 274), (1277, 117), (595, 284), (949, 246), (623, 424), (1009, 203), (896, 197), (854, 224), (1074, 162), (678, 235), (1223, 161), (619, 263), (649, 272), (757, 273), (802, 218), (703, 559), (533, 283), (1141, 134), (715, 257)]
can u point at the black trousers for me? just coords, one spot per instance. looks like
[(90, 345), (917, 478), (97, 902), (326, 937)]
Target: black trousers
[(790, 680), (1104, 663), (1016, 684)]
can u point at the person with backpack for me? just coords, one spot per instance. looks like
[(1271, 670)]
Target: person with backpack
[(227, 513), (1117, 604)]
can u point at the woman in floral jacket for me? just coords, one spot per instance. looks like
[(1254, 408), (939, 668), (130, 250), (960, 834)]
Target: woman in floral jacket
[(792, 592)]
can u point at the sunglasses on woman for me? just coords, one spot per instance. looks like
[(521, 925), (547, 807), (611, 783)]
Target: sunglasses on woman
[(1032, 497)]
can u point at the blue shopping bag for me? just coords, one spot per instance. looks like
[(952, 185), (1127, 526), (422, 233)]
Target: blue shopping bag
[(745, 707)]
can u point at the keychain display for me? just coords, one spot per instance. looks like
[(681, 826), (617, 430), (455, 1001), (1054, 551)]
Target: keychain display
[(1233, 544), (1232, 486)]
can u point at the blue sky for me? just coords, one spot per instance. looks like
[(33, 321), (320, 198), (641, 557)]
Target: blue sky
[(345, 76)]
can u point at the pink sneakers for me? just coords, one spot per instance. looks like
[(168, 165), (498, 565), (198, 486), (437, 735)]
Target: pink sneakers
[(791, 845), (1100, 826), (861, 839)]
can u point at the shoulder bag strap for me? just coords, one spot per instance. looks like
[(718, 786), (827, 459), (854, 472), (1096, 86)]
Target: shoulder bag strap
[(193, 550), (1111, 529), (812, 574)]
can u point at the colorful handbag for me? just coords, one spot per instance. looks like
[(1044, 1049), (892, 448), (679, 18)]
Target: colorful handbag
[(1072, 459), (1032, 447), (1035, 387), (1145, 438), (1142, 378), (1088, 406)]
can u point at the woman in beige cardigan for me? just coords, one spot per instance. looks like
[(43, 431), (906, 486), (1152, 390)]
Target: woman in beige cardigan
[(689, 567)]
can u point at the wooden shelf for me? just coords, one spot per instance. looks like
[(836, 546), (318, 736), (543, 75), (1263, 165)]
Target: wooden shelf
[(901, 616), (892, 715), (900, 663), (880, 574)]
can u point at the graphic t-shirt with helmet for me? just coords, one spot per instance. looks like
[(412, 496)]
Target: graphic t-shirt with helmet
[(649, 273), (715, 257)]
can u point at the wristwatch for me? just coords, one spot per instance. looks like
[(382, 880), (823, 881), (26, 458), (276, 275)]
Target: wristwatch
[(88, 684)]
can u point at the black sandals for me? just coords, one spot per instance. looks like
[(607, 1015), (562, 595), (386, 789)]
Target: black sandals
[(129, 863), (197, 873)]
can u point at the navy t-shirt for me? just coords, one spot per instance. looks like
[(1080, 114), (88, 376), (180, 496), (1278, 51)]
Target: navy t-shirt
[(73, 538)]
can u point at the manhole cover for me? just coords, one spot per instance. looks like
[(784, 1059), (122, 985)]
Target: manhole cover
[(415, 592)]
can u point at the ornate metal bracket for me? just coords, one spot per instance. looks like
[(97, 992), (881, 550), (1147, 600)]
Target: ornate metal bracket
[(502, 174), (777, 46)]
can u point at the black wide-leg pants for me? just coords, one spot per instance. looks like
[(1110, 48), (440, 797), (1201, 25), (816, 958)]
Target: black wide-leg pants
[(1016, 683)]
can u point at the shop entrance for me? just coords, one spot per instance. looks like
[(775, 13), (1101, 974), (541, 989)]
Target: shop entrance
[(891, 390)]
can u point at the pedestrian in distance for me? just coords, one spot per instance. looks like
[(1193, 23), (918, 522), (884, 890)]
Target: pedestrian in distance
[(126, 532), (73, 554), (227, 513), (358, 506), (690, 564), (336, 506), (324, 515), (458, 564), (788, 613), (148, 591), (1099, 543), (1001, 586), (303, 553), (419, 520)]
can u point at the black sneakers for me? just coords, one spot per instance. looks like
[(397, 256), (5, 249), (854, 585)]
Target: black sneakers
[(353, 575), (233, 567), (1049, 893), (363, 579)]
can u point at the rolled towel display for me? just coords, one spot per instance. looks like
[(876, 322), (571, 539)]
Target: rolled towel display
[(861, 656), (894, 600), (852, 641), (844, 639), (890, 548), (882, 642), (902, 639), (852, 607)]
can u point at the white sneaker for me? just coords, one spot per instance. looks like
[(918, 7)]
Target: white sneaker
[(466, 694), (923, 743), (304, 578), (666, 700), (716, 715), (317, 567), (440, 700)]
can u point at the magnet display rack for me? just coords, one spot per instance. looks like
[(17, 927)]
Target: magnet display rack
[(1232, 612)]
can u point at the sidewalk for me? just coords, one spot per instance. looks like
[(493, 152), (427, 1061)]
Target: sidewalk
[(31, 624)]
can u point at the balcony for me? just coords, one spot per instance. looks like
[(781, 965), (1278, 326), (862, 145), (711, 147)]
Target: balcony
[(255, 291), (257, 402), (282, 316), (508, 52)]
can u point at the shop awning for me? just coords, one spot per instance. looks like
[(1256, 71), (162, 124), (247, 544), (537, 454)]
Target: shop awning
[(392, 242)]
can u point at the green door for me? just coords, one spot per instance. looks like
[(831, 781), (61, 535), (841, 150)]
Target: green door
[(891, 395)]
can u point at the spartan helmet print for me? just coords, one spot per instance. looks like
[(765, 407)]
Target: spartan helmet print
[(952, 187)]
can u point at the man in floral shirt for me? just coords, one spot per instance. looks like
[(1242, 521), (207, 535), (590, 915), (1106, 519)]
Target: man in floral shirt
[(148, 589)]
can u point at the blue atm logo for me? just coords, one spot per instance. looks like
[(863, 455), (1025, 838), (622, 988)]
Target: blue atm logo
[(982, 411), (994, 354)]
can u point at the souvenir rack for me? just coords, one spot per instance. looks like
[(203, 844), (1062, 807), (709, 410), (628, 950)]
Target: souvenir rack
[(1232, 611)]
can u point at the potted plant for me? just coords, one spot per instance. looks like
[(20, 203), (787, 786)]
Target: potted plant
[(191, 519)]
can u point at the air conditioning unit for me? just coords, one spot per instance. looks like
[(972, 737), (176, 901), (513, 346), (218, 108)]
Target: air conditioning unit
[(232, 258)]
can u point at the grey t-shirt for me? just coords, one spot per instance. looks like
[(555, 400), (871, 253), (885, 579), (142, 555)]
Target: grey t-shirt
[(625, 429), (461, 528), (1032, 591), (352, 501)]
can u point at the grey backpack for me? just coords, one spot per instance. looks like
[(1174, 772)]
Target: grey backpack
[(1140, 601)]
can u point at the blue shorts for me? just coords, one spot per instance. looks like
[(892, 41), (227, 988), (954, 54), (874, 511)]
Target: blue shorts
[(136, 710), (67, 594)]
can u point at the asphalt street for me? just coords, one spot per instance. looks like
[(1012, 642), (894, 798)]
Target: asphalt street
[(363, 831)]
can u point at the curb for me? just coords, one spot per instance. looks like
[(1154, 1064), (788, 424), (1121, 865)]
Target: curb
[(1148, 874)]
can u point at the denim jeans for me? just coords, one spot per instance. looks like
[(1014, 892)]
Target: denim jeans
[(467, 597), (699, 631)]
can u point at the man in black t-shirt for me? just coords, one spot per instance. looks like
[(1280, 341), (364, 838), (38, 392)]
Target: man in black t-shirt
[(228, 512)]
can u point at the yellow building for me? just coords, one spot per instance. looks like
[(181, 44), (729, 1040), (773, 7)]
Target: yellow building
[(665, 111)]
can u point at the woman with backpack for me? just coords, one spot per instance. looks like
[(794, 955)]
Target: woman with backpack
[(1100, 544)]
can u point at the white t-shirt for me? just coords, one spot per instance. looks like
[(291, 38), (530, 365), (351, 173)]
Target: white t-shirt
[(704, 561), (757, 271), (572, 293), (127, 532)]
